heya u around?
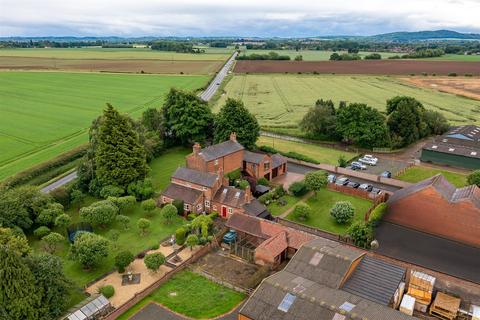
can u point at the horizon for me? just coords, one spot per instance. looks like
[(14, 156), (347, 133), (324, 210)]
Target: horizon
[(213, 18)]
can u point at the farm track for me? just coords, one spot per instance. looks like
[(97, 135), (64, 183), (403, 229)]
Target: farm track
[(379, 67)]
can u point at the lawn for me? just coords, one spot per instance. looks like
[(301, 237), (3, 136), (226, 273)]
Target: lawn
[(322, 203), (46, 113), (163, 166), (191, 295), (317, 152), (276, 209), (281, 100), (419, 173)]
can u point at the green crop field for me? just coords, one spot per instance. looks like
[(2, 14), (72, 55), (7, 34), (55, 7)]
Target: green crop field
[(115, 53), (313, 55), (46, 113), (280, 100)]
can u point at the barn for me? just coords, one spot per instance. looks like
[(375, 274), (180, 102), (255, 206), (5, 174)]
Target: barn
[(459, 147)]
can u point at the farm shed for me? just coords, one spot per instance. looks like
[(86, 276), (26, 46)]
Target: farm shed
[(324, 281), (459, 147)]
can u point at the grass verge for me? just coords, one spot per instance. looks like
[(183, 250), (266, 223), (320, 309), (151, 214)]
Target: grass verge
[(419, 173)]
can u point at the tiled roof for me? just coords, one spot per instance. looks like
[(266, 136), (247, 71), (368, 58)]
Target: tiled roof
[(230, 196), (175, 191), (309, 288), (275, 245), (278, 160), (255, 208), (253, 157), (220, 150), (194, 176), (442, 186)]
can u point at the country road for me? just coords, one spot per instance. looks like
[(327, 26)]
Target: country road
[(206, 96)]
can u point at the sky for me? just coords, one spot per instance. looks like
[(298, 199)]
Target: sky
[(245, 18)]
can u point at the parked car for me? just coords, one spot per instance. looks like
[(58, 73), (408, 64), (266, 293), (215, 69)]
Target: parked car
[(358, 165), (342, 181), (369, 156), (369, 161), (353, 184), (366, 187), (331, 178), (376, 191), (386, 174)]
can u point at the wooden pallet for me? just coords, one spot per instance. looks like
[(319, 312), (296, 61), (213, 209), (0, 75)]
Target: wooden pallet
[(445, 306)]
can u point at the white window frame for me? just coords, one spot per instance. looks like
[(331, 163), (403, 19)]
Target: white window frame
[(186, 206), (229, 210), (199, 207), (215, 162), (207, 204), (214, 208)]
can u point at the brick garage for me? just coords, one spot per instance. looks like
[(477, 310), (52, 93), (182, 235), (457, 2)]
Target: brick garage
[(436, 207)]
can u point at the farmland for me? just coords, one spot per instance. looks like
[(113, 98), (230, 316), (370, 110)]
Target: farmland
[(133, 60), (280, 100), (47, 113), (378, 67), (463, 86)]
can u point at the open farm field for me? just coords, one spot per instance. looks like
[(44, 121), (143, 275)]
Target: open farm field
[(313, 55), (378, 67), (463, 86), (46, 113), (113, 60), (280, 100)]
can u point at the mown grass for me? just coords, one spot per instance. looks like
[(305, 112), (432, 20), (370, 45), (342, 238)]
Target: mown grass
[(321, 204), (317, 152), (281, 100), (192, 295), (46, 113), (276, 209), (419, 173)]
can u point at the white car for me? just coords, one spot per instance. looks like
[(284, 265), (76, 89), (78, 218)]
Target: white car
[(369, 161), (369, 156)]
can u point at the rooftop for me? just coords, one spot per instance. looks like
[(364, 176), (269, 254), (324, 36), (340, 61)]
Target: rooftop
[(462, 140), (253, 157), (175, 191), (220, 150), (194, 176), (230, 196)]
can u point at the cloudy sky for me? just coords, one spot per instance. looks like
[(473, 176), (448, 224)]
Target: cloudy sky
[(235, 18)]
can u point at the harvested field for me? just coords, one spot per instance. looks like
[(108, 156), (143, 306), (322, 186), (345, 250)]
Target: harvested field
[(385, 67), (281, 100), (112, 65), (463, 86)]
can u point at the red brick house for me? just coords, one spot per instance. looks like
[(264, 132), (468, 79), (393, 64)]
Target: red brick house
[(202, 184), (437, 207)]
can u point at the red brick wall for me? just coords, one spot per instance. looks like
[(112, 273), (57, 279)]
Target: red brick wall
[(429, 212)]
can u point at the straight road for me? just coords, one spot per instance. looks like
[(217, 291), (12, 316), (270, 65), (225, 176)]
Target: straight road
[(215, 84), (60, 182)]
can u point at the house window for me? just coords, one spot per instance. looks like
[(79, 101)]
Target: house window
[(199, 207), (207, 204), (164, 199), (266, 166), (214, 208), (204, 188), (216, 162), (230, 210), (186, 207)]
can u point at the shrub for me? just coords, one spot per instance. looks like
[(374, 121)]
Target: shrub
[(468, 75), (48, 215), (153, 261), (298, 188), (361, 234), (169, 212), (452, 74), (192, 240), (180, 236), (123, 260), (266, 198), (63, 220), (76, 197), (474, 178), (123, 203), (61, 195), (282, 201), (263, 181), (243, 184), (108, 291), (342, 162), (373, 56), (302, 211), (123, 220), (342, 211), (143, 224), (191, 216), (51, 241), (377, 214), (154, 246), (179, 205), (41, 232), (278, 192), (149, 205), (99, 213), (141, 190), (88, 249), (111, 191), (315, 180)]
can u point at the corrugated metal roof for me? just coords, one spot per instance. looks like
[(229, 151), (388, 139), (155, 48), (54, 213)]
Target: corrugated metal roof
[(375, 280)]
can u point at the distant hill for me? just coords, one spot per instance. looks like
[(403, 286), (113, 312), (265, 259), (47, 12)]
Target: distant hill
[(423, 35)]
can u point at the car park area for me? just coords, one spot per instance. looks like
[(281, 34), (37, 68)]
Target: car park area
[(382, 165)]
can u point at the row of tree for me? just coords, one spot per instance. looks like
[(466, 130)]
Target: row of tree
[(407, 121), (267, 56)]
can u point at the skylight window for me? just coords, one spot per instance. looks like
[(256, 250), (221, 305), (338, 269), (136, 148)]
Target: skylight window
[(451, 149), (434, 147), (347, 306), (315, 260), (224, 191), (444, 140), (237, 195), (287, 302), (473, 153)]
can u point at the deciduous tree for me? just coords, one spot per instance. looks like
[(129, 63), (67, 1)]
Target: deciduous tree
[(89, 249), (315, 180), (153, 261), (169, 212), (123, 260), (342, 212)]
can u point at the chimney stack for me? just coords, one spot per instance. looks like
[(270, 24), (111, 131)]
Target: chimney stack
[(248, 194), (233, 136), (196, 148)]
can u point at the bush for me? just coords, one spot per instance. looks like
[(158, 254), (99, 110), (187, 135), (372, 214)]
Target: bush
[(143, 224), (290, 154), (191, 216), (123, 220), (452, 74), (99, 213), (169, 212), (111, 191), (278, 192), (282, 201), (154, 246), (41, 232), (298, 188), (89, 249), (61, 195), (377, 214), (266, 198), (315, 180), (141, 190), (123, 260), (302, 211), (263, 181), (51, 241), (474, 178), (180, 236), (153, 261), (63, 220), (342, 162), (234, 175), (373, 56), (361, 234), (108, 291), (243, 184), (123, 203), (179, 205), (342, 211), (149, 205), (192, 240)]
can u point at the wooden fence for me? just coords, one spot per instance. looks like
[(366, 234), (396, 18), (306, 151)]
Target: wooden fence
[(145, 292)]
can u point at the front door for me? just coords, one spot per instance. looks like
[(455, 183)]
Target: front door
[(224, 212)]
